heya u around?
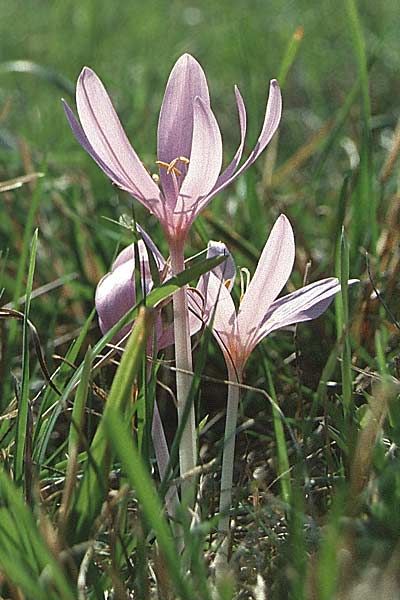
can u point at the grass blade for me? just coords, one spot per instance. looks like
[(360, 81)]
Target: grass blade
[(93, 487), (23, 407)]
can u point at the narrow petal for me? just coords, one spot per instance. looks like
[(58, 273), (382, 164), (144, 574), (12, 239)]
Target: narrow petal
[(205, 160), (226, 271), (116, 293), (271, 122), (106, 136), (272, 273), (231, 168), (84, 142), (305, 304), (175, 125), (216, 309), (198, 303)]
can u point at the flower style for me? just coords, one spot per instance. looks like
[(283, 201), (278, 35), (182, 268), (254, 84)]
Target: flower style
[(189, 145), (238, 333)]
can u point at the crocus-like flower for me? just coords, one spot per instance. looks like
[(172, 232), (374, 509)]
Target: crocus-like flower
[(259, 313), (189, 145), (116, 292), (238, 333)]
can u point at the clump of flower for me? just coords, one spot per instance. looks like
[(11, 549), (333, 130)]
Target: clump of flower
[(189, 149)]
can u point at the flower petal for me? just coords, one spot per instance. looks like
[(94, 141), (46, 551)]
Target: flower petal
[(115, 295), (305, 304), (106, 136), (226, 271), (216, 309), (271, 122), (272, 273), (84, 142), (231, 168), (175, 124), (205, 160), (151, 247), (197, 298)]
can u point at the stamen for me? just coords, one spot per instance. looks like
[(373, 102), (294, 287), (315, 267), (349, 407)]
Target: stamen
[(155, 177), (171, 167), (227, 283), (244, 285)]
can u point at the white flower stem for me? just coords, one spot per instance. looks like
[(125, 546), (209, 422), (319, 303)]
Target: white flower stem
[(183, 361), (162, 457), (225, 500)]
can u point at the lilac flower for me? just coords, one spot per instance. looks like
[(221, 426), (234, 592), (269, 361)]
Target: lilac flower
[(189, 145), (116, 291), (239, 332)]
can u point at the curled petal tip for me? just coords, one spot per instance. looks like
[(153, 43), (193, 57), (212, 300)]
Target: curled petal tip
[(85, 74), (85, 71)]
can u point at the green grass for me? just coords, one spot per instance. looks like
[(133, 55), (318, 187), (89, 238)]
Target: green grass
[(317, 465)]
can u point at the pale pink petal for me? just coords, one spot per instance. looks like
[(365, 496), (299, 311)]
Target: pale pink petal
[(271, 122), (84, 142), (175, 125), (305, 304), (272, 273), (217, 310), (231, 168), (205, 160), (124, 256), (198, 304), (115, 296), (226, 271), (128, 254), (116, 292), (106, 136)]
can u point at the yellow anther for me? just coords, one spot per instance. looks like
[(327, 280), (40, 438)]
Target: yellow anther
[(155, 177), (227, 283), (171, 167)]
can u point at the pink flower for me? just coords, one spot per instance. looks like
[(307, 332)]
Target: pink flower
[(116, 292), (239, 332), (189, 145)]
